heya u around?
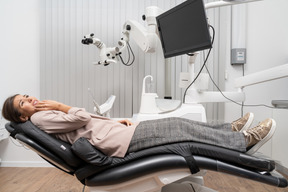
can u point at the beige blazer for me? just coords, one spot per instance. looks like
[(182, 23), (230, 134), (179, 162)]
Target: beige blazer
[(107, 135)]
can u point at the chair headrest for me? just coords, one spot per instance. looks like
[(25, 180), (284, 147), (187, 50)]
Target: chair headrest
[(49, 142), (12, 129)]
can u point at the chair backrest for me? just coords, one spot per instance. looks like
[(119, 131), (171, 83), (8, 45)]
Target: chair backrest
[(53, 150)]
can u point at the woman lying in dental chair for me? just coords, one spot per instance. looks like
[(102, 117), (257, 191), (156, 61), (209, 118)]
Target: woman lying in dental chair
[(118, 138)]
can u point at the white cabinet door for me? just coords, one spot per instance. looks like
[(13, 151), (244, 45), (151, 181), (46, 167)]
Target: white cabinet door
[(280, 138)]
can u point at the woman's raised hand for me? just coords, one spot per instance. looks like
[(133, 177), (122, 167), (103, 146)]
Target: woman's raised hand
[(46, 105)]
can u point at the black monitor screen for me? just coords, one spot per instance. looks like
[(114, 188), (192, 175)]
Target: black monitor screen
[(184, 29)]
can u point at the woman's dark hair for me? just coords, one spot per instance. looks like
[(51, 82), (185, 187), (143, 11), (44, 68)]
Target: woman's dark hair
[(9, 112)]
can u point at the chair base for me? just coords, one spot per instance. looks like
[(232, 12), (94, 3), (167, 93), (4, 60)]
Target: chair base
[(154, 182)]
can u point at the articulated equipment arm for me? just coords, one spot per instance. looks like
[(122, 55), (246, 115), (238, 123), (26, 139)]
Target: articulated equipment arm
[(146, 38)]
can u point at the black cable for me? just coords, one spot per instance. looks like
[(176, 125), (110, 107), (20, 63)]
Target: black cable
[(123, 60), (133, 56), (193, 187), (242, 105), (202, 65)]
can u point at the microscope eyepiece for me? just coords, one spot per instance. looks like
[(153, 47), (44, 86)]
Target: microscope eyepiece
[(87, 41)]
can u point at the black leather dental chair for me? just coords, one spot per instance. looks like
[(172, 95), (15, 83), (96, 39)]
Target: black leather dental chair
[(146, 170)]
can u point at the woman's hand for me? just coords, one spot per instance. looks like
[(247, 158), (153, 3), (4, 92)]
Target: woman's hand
[(46, 105), (125, 122)]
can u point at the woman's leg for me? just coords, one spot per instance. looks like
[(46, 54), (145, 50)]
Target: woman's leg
[(219, 126), (171, 130)]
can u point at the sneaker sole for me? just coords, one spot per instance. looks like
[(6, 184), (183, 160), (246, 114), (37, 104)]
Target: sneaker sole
[(248, 123), (264, 140)]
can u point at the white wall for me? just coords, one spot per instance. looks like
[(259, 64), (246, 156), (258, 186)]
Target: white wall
[(66, 64), (19, 65), (267, 46)]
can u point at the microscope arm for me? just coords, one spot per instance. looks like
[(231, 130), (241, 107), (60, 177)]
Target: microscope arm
[(146, 38)]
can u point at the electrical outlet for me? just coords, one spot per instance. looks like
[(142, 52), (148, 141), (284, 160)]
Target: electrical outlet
[(238, 56)]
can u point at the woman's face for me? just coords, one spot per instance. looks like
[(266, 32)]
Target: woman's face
[(25, 104)]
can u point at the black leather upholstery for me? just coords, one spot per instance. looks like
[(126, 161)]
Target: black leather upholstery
[(58, 147), (93, 168)]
